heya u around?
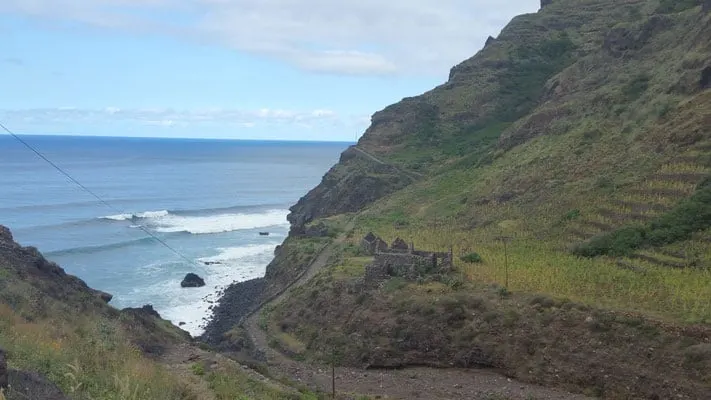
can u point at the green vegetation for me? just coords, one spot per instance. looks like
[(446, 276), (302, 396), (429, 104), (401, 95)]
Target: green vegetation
[(472, 258), (689, 216), (86, 359), (674, 6)]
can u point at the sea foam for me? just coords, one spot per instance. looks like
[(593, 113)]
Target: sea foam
[(219, 223), (168, 222)]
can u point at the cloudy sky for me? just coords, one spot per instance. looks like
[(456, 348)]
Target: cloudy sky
[(248, 69)]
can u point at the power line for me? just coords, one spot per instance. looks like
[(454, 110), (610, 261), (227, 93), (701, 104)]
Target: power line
[(86, 189)]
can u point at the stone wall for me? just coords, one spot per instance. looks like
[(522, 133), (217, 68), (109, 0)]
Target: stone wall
[(402, 260)]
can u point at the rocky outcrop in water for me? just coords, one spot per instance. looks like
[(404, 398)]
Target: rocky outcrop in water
[(192, 281)]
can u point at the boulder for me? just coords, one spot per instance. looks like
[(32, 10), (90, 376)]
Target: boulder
[(317, 230), (489, 41), (5, 234), (105, 297), (192, 281), (3, 369), (147, 311), (31, 385), (705, 81), (546, 3)]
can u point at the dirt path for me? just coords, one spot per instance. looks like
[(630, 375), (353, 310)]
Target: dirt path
[(411, 174), (180, 360), (409, 383)]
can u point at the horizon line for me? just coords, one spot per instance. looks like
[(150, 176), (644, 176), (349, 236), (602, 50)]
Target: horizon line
[(175, 138)]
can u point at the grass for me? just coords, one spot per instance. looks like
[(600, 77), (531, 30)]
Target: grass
[(89, 360), (231, 384), (682, 295), (689, 216)]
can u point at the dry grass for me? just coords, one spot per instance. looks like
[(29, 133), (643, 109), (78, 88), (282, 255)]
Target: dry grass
[(88, 359)]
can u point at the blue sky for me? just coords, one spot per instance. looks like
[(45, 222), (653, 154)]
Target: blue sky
[(246, 69)]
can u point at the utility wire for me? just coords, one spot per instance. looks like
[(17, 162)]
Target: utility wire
[(86, 189)]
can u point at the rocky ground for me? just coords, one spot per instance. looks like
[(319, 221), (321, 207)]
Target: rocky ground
[(406, 383), (22, 385), (236, 301)]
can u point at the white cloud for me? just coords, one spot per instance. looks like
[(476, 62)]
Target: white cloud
[(170, 117), (346, 36)]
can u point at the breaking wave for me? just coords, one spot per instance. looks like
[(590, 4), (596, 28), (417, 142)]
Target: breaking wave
[(172, 222)]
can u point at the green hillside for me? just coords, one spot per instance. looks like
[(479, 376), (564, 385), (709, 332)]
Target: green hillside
[(581, 135)]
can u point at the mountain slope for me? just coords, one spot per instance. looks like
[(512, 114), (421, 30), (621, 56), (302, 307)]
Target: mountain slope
[(584, 126), (58, 336)]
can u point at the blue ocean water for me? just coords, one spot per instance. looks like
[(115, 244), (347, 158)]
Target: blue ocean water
[(209, 199)]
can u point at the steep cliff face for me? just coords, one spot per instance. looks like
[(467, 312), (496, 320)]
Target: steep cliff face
[(26, 265), (582, 129), (606, 66), (356, 181), (38, 289)]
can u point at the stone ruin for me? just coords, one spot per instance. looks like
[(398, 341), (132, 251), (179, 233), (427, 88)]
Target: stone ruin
[(372, 244), (401, 260)]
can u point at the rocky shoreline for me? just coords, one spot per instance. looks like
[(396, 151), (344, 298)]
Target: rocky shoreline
[(237, 300)]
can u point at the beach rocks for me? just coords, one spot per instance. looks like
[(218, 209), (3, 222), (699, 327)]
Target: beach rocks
[(236, 301), (192, 281)]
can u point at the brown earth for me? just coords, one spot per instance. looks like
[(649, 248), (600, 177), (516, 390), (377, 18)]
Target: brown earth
[(404, 383)]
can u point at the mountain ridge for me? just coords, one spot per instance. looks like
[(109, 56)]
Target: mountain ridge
[(573, 125)]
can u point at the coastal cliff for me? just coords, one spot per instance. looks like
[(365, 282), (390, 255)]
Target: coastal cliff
[(566, 166)]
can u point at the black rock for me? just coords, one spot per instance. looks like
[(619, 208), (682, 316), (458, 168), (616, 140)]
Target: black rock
[(317, 230), (105, 297), (705, 82), (212, 263), (236, 302), (192, 280), (31, 385), (147, 311), (3, 369)]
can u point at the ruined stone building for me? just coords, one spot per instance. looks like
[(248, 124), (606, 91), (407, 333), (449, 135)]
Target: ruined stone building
[(402, 260)]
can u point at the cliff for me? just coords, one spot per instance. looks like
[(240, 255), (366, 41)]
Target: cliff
[(570, 158), (59, 339)]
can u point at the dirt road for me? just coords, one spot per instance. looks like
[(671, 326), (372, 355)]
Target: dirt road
[(409, 383)]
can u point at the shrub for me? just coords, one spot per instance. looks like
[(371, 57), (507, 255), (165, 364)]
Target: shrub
[(691, 215), (198, 369), (395, 284), (472, 258), (571, 215)]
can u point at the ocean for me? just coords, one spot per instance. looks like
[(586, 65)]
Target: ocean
[(207, 199)]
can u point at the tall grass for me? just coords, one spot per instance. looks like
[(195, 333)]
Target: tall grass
[(89, 359), (536, 266)]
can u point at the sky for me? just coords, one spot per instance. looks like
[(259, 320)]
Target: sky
[(239, 69)]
